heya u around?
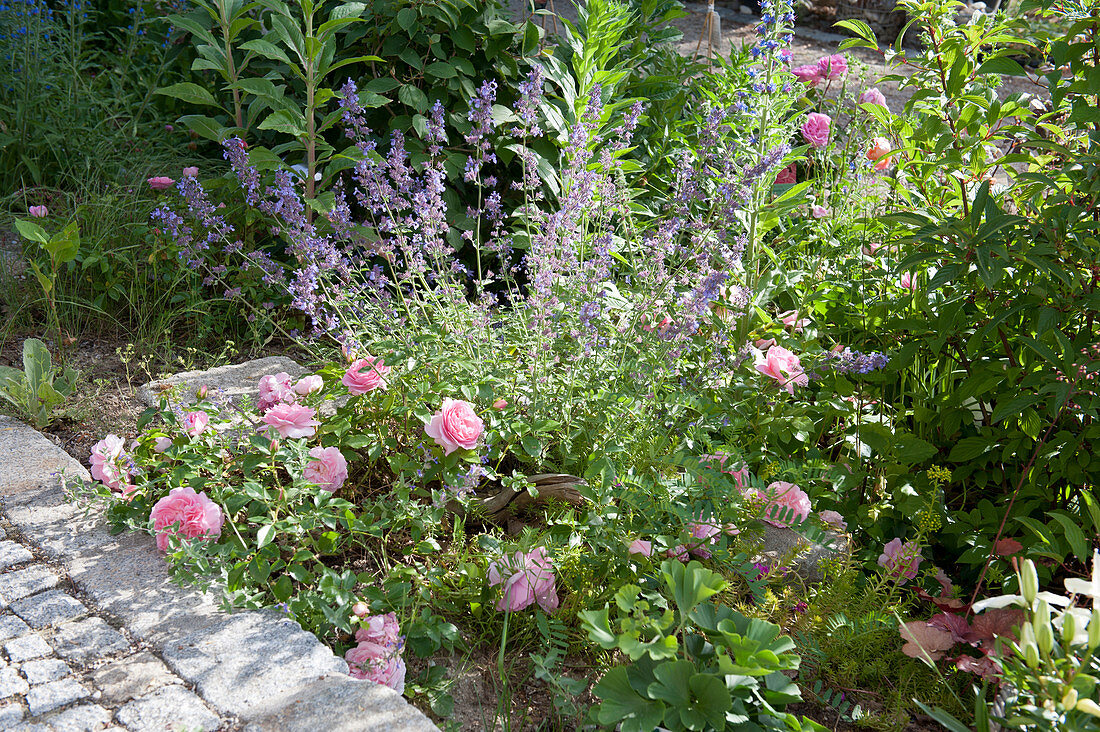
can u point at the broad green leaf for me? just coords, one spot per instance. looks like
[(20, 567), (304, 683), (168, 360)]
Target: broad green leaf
[(691, 584), (190, 93), (620, 703), (65, 244), (31, 231)]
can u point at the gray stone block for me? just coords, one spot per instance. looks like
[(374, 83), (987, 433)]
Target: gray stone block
[(788, 548), (12, 553), (11, 714), (49, 608), (130, 677), (44, 670), (251, 660), (47, 697), (26, 647), (84, 718), (172, 707), (11, 683), (364, 707), (85, 640), (236, 381), (25, 582), (12, 627)]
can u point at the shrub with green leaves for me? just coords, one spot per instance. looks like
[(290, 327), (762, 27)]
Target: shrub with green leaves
[(40, 387)]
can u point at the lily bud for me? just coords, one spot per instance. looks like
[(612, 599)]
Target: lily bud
[(1029, 582), (1088, 706), (1069, 701), (1069, 628), (1094, 629), (1027, 645), (1044, 636)]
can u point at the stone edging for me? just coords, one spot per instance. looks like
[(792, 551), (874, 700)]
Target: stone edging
[(257, 666)]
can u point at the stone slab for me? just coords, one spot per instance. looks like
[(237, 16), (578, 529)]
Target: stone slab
[(44, 670), (84, 640), (49, 608), (12, 553), (132, 676), (12, 627), (172, 707), (47, 697), (25, 582), (26, 647), (84, 718), (235, 382)]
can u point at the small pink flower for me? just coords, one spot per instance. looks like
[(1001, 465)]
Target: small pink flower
[(108, 461), (815, 130), (833, 520), (787, 176), (329, 470), (194, 423), (900, 560), (833, 67), (292, 420), (907, 282), (872, 248), (160, 183), (787, 504), (309, 385), (808, 74), (360, 609), (168, 128), (873, 96), (792, 321), (500, 404), (524, 579), (880, 148), (783, 366), (39, 212), (191, 172), (161, 444), (640, 546), (184, 513), (820, 212), (202, 391), (359, 382), (703, 533), (679, 552), (275, 389), (764, 343), (455, 426)]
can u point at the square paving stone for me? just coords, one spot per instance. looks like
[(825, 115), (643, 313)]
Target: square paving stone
[(89, 639), (11, 683), (10, 715), (25, 582), (172, 707), (45, 669), (13, 553), (130, 677), (84, 718), (49, 608), (47, 697), (26, 647), (12, 627)]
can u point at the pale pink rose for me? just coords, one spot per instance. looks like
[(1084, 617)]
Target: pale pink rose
[(880, 148), (329, 470), (38, 212), (808, 74), (907, 282), (202, 391), (194, 423), (108, 461), (703, 533), (524, 579), (741, 476), (901, 560), (160, 183), (309, 385), (292, 420), (833, 67), (500, 404), (820, 212), (873, 96), (455, 426), (787, 176), (161, 444), (786, 504), (640, 546), (783, 366), (191, 172), (872, 248), (359, 381), (764, 343), (833, 520), (275, 389), (184, 513), (377, 658), (791, 320), (815, 130), (360, 609)]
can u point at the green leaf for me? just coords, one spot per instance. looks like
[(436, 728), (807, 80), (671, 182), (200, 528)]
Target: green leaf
[(671, 685), (598, 627), (968, 448), (283, 121), (31, 231), (620, 703), (689, 585), (64, 245), (267, 49), (283, 588), (37, 364), (205, 127), (1073, 534), (190, 93), (265, 535), (413, 97), (441, 69), (406, 18)]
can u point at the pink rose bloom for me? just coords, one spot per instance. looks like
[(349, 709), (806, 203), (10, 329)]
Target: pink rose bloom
[(783, 366), (329, 470), (880, 148), (782, 499), (833, 520), (379, 634), (500, 404), (377, 658), (309, 385), (815, 130), (872, 249), (275, 389), (38, 212), (524, 579), (764, 343), (808, 74), (703, 533), (185, 513), (194, 423), (791, 320), (907, 282), (292, 420), (901, 560), (833, 67), (787, 176), (161, 444), (640, 546), (191, 172), (455, 426), (741, 476), (820, 212), (359, 382), (873, 96), (679, 552), (160, 183), (106, 460)]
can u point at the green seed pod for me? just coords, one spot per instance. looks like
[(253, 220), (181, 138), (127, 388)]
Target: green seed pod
[(1029, 582)]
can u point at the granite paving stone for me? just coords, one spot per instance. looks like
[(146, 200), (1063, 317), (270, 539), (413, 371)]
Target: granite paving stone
[(25, 582), (47, 697), (48, 609), (172, 707), (83, 718), (26, 647), (132, 676), (83, 640), (11, 683), (12, 627), (11, 714), (45, 669), (12, 553)]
